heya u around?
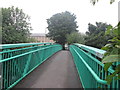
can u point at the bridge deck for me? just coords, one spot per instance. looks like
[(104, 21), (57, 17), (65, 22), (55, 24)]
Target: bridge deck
[(57, 72)]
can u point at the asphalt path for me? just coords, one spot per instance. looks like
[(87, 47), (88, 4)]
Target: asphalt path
[(57, 72)]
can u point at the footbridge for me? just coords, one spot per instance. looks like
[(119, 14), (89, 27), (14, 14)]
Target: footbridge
[(46, 65)]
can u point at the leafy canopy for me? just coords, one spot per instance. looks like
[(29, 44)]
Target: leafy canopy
[(0, 26), (112, 56), (113, 52), (61, 24), (94, 1), (96, 35), (15, 25), (75, 37)]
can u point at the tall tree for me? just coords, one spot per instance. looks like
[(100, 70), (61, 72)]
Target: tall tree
[(61, 24), (15, 25), (96, 35)]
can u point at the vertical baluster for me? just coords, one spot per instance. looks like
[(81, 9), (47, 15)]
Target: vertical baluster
[(9, 74), (109, 86), (12, 71), (39, 56), (96, 68), (9, 68), (103, 73), (14, 68), (118, 84), (5, 74), (113, 83), (7, 71), (1, 71), (16, 64)]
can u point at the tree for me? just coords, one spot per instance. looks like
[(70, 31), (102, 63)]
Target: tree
[(0, 26), (112, 56), (15, 25), (75, 37), (113, 52), (96, 35), (94, 1), (61, 24)]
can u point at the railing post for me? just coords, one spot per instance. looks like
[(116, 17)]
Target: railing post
[(16, 61), (0, 73), (88, 59), (27, 65), (0, 69)]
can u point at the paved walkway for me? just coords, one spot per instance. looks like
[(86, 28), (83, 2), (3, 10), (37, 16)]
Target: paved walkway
[(57, 72)]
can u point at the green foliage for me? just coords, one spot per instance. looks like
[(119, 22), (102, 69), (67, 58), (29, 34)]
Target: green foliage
[(15, 25), (115, 74), (0, 26), (113, 46), (31, 40), (95, 1), (106, 66), (0, 34), (61, 24), (0, 17), (110, 77), (111, 58), (96, 35), (75, 37), (113, 52)]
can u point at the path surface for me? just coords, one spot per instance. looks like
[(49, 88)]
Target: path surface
[(57, 72)]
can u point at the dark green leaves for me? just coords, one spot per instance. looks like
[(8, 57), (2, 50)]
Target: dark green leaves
[(109, 28), (75, 37), (95, 1), (115, 74), (96, 35), (106, 66), (113, 53), (61, 24), (111, 58), (111, 1), (15, 25)]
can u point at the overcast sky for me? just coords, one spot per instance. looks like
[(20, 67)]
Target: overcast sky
[(40, 10)]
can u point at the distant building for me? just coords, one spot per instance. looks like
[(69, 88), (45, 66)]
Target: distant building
[(40, 37)]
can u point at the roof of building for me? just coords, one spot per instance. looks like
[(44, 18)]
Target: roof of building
[(37, 34)]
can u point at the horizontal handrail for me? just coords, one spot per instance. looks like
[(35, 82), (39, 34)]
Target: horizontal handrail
[(7, 51), (98, 62), (97, 52), (18, 60), (6, 46), (91, 71), (90, 68), (17, 56)]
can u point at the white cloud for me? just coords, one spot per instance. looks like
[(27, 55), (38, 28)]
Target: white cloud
[(40, 10)]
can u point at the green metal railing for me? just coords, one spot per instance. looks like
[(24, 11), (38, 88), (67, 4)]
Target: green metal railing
[(18, 60), (90, 69)]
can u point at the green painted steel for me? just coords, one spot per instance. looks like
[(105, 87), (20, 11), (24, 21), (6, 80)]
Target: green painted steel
[(90, 69), (95, 51), (18, 60)]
